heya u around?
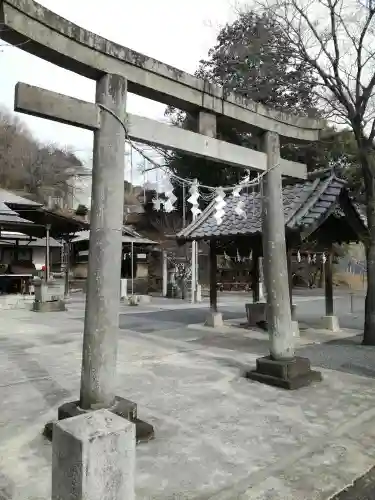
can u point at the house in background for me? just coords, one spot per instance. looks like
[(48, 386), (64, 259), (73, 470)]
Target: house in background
[(79, 189), (131, 240), (16, 246), (23, 230)]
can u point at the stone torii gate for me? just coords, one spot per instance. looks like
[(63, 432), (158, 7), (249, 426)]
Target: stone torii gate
[(117, 70)]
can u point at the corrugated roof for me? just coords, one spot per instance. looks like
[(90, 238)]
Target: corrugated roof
[(304, 204), (9, 237), (130, 231), (13, 199), (9, 216), (24, 215)]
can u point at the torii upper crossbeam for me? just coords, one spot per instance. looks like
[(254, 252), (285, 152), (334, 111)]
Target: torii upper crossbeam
[(45, 34)]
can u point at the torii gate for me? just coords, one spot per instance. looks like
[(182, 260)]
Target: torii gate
[(116, 70)]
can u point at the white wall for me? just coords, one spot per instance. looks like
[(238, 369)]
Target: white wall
[(39, 257), (81, 191)]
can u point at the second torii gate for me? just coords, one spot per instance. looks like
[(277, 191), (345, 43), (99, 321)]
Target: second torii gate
[(117, 70)]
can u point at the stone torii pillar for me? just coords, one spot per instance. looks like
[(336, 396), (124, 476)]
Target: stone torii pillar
[(100, 341), (104, 270), (282, 367)]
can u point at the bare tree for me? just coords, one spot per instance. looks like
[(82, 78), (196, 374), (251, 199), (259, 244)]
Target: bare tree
[(41, 170), (179, 258), (336, 39), (15, 142), (47, 171), (166, 226)]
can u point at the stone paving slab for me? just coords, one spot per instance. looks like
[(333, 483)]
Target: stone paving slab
[(218, 435)]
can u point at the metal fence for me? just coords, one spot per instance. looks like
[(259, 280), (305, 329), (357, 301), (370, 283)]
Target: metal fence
[(352, 266)]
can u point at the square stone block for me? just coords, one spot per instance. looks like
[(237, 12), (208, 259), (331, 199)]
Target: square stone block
[(256, 312), (331, 323), (214, 320), (287, 374), (93, 457)]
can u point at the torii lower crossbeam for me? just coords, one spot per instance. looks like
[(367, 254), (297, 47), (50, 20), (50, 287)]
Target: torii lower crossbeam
[(43, 103)]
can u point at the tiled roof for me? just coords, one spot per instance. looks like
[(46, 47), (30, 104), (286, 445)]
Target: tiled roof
[(304, 204)]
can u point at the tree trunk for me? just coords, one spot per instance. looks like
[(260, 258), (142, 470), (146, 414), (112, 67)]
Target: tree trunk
[(369, 327)]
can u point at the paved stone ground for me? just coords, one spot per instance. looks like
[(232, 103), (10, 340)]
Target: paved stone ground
[(218, 435)]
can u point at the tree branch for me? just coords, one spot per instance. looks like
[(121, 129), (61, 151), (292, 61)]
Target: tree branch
[(372, 132)]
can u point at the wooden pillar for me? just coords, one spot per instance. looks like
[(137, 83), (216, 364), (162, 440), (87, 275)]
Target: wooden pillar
[(328, 272), (290, 278), (66, 249), (48, 250), (255, 277), (164, 273), (16, 251), (261, 282), (323, 275), (213, 276)]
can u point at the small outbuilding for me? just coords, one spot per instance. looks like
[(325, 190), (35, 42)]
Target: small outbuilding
[(319, 213)]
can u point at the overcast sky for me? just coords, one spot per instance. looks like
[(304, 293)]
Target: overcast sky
[(177, 32)]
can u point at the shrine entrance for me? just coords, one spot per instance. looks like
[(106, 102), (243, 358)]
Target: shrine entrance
[(116, 71)]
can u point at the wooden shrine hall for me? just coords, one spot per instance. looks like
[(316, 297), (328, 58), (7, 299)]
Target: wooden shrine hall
[(319, 213)]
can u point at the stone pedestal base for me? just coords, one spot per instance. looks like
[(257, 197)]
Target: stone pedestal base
[(53, 306), (287, 374), (331, 323), (122, 407), (214, 320)]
